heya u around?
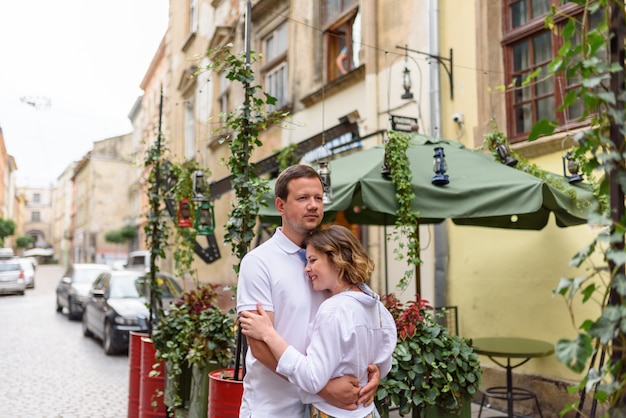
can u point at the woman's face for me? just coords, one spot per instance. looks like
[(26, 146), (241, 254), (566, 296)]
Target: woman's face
[(323, 273)]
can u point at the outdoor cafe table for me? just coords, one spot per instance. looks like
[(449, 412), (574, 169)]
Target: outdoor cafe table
[(522, 349)]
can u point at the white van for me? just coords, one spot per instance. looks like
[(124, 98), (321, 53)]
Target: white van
[(6, 253), (137, 260)]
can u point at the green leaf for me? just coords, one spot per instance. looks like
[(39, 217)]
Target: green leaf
[(603, 329), (574, 354), (543, 127)]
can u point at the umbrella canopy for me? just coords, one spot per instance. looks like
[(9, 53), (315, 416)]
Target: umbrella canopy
[(481, 191), (42, 252)]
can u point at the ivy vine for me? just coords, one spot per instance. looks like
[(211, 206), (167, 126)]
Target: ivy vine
[(406, 233), (496, 137), (242, 127), (156, 230), (287, 156), (589, 54)]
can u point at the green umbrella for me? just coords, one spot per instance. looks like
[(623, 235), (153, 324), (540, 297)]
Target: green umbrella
[(481, 191)]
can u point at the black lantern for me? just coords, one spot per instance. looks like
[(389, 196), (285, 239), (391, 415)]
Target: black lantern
[(505, 155), (324, 173), (406, 84), (572, 166), (439, 167), (184, 214)]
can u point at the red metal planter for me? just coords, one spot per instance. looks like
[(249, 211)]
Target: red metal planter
[(152, 382), (134, 376), (224, 394)]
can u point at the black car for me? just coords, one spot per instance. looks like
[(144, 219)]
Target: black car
[(73, 287), (117, 304)]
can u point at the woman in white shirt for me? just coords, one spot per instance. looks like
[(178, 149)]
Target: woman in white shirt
[(351, 329)]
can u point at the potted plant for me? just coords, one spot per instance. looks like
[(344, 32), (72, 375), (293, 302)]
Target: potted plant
[(195, 337), (433, 373)]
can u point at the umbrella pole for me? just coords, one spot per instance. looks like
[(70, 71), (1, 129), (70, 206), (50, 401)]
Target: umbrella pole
[(418, 271)]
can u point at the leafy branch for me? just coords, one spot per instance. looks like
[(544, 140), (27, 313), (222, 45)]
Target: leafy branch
[(585, 56), (407, 220), (243, 126)]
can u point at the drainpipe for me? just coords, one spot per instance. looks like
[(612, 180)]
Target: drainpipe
[(440, 233)]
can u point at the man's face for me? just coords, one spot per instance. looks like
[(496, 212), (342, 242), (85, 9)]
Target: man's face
[(303, 209)]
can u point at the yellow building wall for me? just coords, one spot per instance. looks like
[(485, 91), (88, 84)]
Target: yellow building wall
[(502, 280)]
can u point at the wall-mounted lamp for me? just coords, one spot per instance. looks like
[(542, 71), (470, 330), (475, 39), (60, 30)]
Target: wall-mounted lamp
[(572, 166), (505, 155), (184, 214), (205, 218), (439, 167), (199, 186), (324, 173), (406, 84), (440, 60)]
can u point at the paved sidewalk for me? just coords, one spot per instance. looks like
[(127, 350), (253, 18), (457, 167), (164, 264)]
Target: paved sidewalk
[(486, 413)]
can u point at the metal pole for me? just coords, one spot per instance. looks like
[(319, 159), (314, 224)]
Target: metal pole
[(616, 193), (155, 222), (242, 344)]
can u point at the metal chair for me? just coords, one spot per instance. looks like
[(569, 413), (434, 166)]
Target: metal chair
[(448, 317)]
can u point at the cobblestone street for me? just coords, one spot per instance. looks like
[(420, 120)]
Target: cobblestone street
[(47, 368)]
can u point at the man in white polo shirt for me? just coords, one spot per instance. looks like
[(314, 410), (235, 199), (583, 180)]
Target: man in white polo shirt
[(273, 274)]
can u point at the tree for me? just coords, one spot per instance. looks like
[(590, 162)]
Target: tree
[(24, 241), (7, 228), (122, 235)]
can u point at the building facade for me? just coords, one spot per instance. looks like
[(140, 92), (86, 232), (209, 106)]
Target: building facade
[(100, 203), (440, 63), (38, 214)]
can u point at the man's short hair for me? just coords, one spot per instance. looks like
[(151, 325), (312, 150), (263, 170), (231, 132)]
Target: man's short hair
[(281, 187)]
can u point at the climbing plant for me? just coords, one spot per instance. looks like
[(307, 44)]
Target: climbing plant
[(407, 220), (496, 137), (287, 156), (181, 187), (168, 183), (594, 55), (242, 127)]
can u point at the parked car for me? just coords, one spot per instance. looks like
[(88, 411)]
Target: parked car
[(137, 260), (11, 275), (29, 272), (117, 304), (74, 285)]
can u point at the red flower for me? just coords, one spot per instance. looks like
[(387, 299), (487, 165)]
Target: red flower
[(407, 316)]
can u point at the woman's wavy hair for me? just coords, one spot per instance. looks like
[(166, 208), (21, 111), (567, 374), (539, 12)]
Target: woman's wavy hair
[(344, 250)]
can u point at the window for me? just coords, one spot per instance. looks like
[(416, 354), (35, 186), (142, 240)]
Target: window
[(275, 44), (275, 65), (223, 96), (342, 36), (530, 47), (190, 131), (193, 16), (36, 197), (35, 216)]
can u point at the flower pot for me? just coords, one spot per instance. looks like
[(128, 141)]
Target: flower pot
[(134, 375), (152, 382), (437, 412), (199, 390), (177, 386), (224, 394)]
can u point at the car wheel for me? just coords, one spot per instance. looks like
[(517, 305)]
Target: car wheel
[(86, 331), (21, 293), (71, 310), (107, 342)]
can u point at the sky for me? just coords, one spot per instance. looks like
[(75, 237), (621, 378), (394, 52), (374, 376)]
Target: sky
[(70, 72)]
